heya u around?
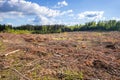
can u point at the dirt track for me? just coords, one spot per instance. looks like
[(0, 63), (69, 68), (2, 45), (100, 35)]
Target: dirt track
[(94, 54)]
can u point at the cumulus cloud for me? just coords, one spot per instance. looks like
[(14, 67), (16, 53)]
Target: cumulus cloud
[(61, 4), (26, 7), (91, 15), (10, 15), (43, 20), (66, 12), (20, 8)]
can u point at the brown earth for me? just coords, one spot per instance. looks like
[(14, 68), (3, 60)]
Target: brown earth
[(95, 55)]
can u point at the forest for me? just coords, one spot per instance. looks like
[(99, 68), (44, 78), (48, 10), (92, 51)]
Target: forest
[(111, 25)]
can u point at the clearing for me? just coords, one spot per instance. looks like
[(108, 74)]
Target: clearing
[(60, 56)]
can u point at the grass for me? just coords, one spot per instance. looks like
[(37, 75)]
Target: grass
[(18, 31), (72, 75)]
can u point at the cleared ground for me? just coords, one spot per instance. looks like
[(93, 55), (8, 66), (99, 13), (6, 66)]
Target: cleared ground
[(62, 56)]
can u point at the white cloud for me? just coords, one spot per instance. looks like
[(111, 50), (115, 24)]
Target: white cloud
[(61, 4), (66, 12), (43, 20), (52, 20), (10, 15), (9, 24), (116, 18), (20, 8), (24, 8), (91, 15)]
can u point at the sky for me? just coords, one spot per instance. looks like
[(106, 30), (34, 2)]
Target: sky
[(48, 12)]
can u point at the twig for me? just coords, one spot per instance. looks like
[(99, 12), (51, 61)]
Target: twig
[(26, 78), (11, 52)]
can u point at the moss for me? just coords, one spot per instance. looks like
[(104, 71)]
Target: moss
[(71, 75)]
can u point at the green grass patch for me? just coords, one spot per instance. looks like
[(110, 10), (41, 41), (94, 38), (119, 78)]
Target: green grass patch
[(18, 31), (71, 75)]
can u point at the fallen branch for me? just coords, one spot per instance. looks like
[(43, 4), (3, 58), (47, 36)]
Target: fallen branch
[(11, 52), (26, 78), (33, 62)]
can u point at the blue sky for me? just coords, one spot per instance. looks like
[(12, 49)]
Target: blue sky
[(69, 12)]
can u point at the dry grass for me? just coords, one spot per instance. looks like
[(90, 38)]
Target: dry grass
[(64, 56)]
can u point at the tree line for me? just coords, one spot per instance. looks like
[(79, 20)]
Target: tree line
[(111, 25)]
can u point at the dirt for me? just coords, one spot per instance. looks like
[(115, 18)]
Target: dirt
[(47, 56)]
